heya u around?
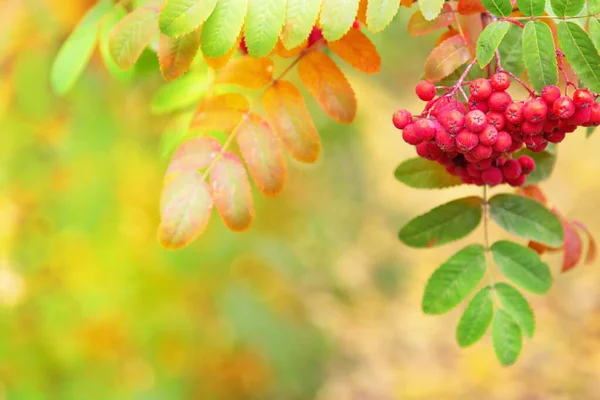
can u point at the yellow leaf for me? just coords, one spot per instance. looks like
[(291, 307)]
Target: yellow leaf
[(221, 112), (175, 55), (281, 51), (328, 85), (446, 58), (291, 121), (248, 72), (218, 63), (193, 154), (356, 49)]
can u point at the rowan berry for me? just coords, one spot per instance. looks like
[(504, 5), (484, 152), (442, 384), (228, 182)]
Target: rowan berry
[(517, 182), (503, 142), (496, 119), (555, 136), (409, 135), (482, 152), (483, 164), (581, 116), (473, 171), (488, 136), (492, 176), (425, 90), (401, 118), (595, 115), (475, 104), (512, 169), (516, 145), (466, 140), (500, 81), (563, 107), (453, 120), (425, 129), (480, 89), (531, 128), (527, 164), (475, 121), (514, 112), (535, 110), (549, 94), (583, 98), (498, 101), (500, 161), (429, 151), (444, 140)]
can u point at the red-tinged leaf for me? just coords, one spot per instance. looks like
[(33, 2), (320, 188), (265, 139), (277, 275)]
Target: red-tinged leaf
[(361, 15), (533, 192), (539, 248), (467, 7), (231, 192), (287, 113), (407, 3), (572, 247), (186, 204), (356, 49), (247, 71), (221, 112), (261, 150), (446, 58), (218, 63), (193, 154), (328, 85), (128, 39), (175, 55), (592, 251), (418, 25), (446, 35)]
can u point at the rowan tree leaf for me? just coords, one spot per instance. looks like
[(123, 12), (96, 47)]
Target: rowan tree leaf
[(531, 7), (511, 50), (594, 29), (593, 6), (506, 338), (380, 13), (288, 116), (247, 71), (431, 8), (443, 224), (581, 53), (106, 24), (221, 112), (131, 35), (517, 307), (175, 55), (263, 25), (186, 205), (539, 55), (301, 16), (500, 8), (218, 63), (192, 155), (418, 25), (526, 218), (356, 49), (231, 192), (421, 173), (572, 246), (262, 152), (179, 94), (476, 318), (568, 8), (446, 58), (337, 17), (490, 40), (468, 7), (179, 17), (222, 28), (328, 85), (454, 280), (522, 266), (592, 250), (76, 51)]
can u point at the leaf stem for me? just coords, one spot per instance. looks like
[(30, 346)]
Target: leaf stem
[(510, 19)]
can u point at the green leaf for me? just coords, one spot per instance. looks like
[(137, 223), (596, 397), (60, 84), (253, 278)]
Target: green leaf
[(179, 17), (517, 306), (506, 338), (594, 29), (527, 218), (532, 7), (380, 13), (431, 8), (580, 53), (522, 266), (75, 53), (454, 280), (301, 16), (593, 6), (263, 24), (567, 8), (489, 40), (476, 319), (129, 37), (539, 55), (337, 17), (106, 25), (589, 130), (222, 28), (500, 8), (511, 51), (421, 173), (180, 93), (443, 224), (544, 164)]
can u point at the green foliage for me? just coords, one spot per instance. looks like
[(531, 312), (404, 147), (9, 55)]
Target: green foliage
[(179, 17), (131, 35), (263, 24), (567, 8), (476, 318), (581, 53), (506, 338), (522, 266), (544, 163), (421, 173), (500, 8), (539, 55), (337, 17), (431, 8), (106, 24), (490, 40), (380, 13), (593, 6), (511, 50), (594, 29), (527, 218), (454, 280), (222, 28), (517, 306), (531, 7), (180, 93), (301, 15), (443, 224)]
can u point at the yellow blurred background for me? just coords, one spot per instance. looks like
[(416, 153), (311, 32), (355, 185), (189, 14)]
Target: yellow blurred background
[(318, 300)]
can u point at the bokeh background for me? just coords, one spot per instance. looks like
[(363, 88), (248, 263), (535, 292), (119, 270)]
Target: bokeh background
[(318, 300)]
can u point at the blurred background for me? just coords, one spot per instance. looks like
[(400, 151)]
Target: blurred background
[(318, 300)]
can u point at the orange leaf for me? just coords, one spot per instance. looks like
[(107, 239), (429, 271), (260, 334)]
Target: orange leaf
[(407, 3), (231, 192), (328, 85), (356, 49), (572, 248), (418, 25), (446, 58), (262, 153), (534, 192), (466, 7), (221, 112), (175, 55), (193, 154), (446, 35), (186, 204), (291, 121), (361, 15), (248, 72), (592, 251), (218, 63), (539, 248), (281, 51)]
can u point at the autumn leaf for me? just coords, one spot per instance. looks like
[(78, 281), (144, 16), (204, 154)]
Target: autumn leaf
[(247, 71), (533, 192), (328, 85), (467, 7), (592, 251), (418, 25), (221, 112), (176, 55), (281, 51), (446, 58), (218, 63), (192, 155), (356, 49), (572, 247), (446, 35)]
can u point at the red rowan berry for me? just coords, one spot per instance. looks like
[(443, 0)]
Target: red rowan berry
[(535, 110), (488, 136), (425, 90), (533, 141), (451, 169), (595, 115), (498, 101), (481, 152), (563, 107), (452, 120), (516, 145), (549, 94), (531, 128), (496, 119), (470, 158), (475, 104), (492, 176), (466, 140), (483, 164), (475, 121), (436, 105), (356, 24), (583, 98), (425, 129), (527, 164), (512, 169), (480, 89), (555, 136), (243, 47), (503, 142), (541, 147), (510, 127), (517, 182), (501, 161), (401, 118), (500, 81), (566, 126), (581, 116), (550, 125), (473, 171), (315, 35), (462, 172), (429, 151), (444, 140), (514, 112), (409, 135)]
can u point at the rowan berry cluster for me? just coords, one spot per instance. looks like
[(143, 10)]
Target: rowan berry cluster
[(477, 140)]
